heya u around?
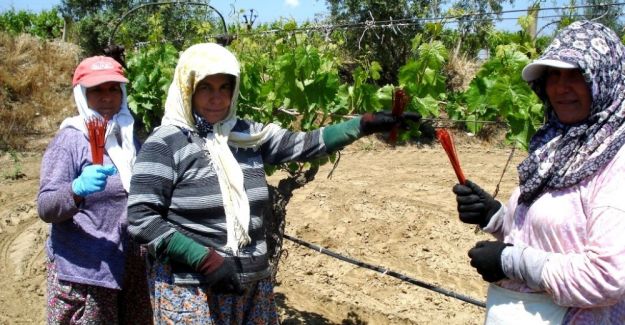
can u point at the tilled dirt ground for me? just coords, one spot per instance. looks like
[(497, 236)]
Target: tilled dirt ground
[(390, 207)]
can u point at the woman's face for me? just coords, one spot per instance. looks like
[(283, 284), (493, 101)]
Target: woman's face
[(106, 98), (568, 94), (212, 97)]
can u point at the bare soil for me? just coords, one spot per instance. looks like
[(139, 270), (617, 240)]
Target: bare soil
[(390, 207)]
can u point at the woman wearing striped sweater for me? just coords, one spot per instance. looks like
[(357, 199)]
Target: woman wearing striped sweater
[(198, 192)]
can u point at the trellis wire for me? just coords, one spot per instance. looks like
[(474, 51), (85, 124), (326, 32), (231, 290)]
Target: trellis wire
[(437, 122), (388, 272), (441, 121), (329, 29), (395, 23)]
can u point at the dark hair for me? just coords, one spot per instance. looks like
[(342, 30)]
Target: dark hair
[(233, 80), (117, 53)]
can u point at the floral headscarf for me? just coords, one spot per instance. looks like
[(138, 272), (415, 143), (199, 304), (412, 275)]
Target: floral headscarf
[(560, 155)]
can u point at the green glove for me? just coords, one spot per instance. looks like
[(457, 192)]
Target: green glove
[(183, 249), (337, 136)]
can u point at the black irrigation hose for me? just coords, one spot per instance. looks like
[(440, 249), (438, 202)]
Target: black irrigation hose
[(394, 274)]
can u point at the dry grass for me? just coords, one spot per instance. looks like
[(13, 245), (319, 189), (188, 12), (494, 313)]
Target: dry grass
[(460, 71), (35, 87)]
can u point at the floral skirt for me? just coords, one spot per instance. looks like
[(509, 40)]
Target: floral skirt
[(76, 303), (196, 304)]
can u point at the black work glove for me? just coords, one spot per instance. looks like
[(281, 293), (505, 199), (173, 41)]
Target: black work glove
[(229, 284), (475, 206), (221, 274), (384, 121), (427, 131), (486, 259)]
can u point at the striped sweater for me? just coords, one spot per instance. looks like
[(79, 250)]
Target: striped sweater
[(174, 187)]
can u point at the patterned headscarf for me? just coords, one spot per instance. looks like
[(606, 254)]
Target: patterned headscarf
[(560, 155)]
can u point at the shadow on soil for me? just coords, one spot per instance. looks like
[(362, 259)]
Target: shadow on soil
[(293, 316)]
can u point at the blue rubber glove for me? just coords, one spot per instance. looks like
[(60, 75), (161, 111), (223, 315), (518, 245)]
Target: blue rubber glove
[(92, 179)]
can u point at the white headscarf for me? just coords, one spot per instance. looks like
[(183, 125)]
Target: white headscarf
[(122, 156), (195, 64)]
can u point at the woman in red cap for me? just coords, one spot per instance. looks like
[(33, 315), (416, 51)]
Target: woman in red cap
[(88, 248)]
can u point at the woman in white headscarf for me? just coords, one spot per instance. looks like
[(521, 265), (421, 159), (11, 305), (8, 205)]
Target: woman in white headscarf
[(199, 190), (90, 258)]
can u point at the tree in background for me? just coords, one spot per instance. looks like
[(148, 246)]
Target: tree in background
[(46, 24), (604, 12), (94, 21), (91, 21), (78, 9), (475, 21), (182, 24), (390, 47)]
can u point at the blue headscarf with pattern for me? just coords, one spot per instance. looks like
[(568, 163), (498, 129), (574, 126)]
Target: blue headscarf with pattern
[(561, 155)]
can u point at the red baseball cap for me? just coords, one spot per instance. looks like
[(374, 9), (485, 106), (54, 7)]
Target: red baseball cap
[(96, 70)]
